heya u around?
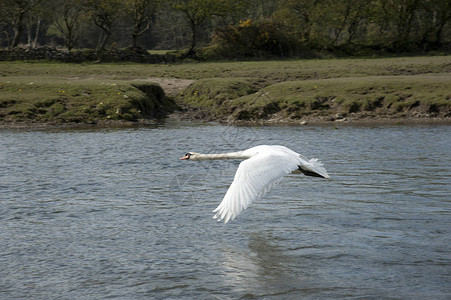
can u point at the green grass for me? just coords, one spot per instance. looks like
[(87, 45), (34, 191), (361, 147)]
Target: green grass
[(161, 52), (49, 99), (293, 89), (371, 95), (283, 70), (270, 71), (399, 96), (214, 91)]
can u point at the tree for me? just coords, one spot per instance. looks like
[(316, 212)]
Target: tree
[(405, 13), (394, 19), (142, 12), (361, 15), (305, 13), (344, 18), (168, 31), (67, 22), (14, 13), (104, 13), (262, 8), (37, 21), (198, 11), (436, 14)]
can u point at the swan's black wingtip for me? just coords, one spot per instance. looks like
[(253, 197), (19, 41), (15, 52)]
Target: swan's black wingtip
[(311, 173)]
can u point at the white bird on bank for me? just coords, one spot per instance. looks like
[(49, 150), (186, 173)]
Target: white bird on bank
[(263, 166)]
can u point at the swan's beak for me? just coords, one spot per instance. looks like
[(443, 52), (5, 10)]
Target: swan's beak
[(185, 157)]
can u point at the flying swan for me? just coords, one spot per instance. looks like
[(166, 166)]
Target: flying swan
[(262, 167)]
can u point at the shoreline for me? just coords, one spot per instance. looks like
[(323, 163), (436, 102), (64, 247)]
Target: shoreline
[(364, 122), (357, 92)]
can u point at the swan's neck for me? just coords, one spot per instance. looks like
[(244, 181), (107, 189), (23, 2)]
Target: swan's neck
[(230, 155)]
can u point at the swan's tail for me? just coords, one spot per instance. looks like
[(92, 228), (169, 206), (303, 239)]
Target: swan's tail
[(314, 168)]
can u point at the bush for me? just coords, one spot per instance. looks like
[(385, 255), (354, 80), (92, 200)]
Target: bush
[(260, 38)]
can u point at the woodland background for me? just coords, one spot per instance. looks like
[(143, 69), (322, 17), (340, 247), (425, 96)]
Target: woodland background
[(229, 28)]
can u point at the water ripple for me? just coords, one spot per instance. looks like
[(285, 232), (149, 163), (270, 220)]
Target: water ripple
[(113, 213)]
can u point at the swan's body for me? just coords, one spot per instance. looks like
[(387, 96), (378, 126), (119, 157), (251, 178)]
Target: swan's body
[(263, 166)]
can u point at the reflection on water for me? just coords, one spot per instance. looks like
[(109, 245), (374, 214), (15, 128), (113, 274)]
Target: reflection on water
[(261, 265), (113, 213)]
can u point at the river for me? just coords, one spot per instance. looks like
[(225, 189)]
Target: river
[(113, 213)]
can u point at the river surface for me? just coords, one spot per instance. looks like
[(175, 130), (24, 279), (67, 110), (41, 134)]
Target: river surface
[(114, 213)]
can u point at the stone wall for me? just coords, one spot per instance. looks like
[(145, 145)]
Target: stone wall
[(78, 56)]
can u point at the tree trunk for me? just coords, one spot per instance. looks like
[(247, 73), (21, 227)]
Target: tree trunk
[(105, 24), (104, 41), (342, 26), (36, 35), (134, 40), (29, 38), (18, 28), (191, 51), (69, 38), (8, 39), (405, 18)]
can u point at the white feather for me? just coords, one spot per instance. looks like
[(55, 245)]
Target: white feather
[(264, 166)]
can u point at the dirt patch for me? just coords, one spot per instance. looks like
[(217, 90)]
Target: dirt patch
[(171, 86)]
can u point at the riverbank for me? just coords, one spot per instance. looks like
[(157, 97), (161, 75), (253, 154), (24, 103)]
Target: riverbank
[(348, 91)]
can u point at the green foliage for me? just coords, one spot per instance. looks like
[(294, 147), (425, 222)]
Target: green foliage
[(198, 11), (280, 27), (264, 37), (104, 13), (67, 22), (141, 12)]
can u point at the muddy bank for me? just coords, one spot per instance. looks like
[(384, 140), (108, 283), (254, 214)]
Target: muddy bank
[(330, 117), (188, 115), (389, 99), (355, 120)]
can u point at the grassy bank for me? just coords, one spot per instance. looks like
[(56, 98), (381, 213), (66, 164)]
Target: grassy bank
[(336, 99), (49, 99), (274, 91)]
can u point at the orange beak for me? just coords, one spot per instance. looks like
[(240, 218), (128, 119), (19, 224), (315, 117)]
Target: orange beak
[(185, 157)]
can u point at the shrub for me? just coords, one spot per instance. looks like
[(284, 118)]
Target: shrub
[(260, 38)]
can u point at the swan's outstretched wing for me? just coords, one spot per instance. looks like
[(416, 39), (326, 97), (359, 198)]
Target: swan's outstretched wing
[(254, 177), (313, 167)]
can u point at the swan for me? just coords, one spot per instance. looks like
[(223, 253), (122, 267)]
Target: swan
[(262, 167)]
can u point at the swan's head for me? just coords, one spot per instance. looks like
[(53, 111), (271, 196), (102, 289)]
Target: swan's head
[(190, 155)]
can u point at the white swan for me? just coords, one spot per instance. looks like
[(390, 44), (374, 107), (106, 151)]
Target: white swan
[(263, 166)]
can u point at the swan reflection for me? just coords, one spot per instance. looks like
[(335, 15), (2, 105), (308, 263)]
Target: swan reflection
[(259, 268)]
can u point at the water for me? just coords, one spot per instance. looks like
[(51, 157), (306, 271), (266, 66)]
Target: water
[(113, 213)]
